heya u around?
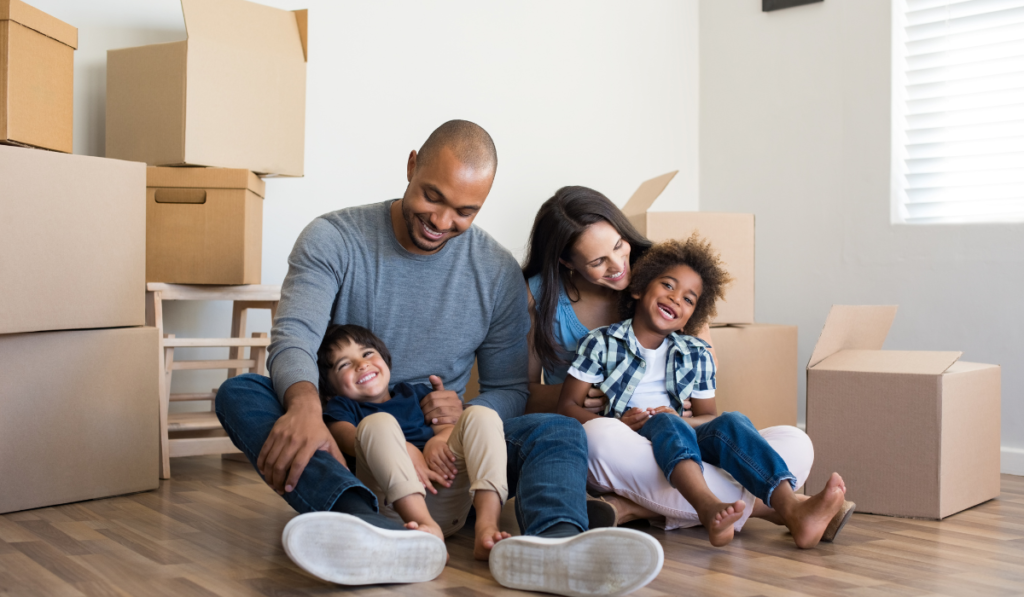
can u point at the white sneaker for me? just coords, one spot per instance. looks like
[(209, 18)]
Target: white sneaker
[(609, 561), (343, 549)]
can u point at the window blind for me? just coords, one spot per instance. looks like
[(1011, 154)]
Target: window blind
[(959, 122)]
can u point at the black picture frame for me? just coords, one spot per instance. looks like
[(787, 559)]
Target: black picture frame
[(770, 5)]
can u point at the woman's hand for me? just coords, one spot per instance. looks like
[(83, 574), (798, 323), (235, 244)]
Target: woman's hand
[(635, 418), (596, 400), (423, 472), (662, 409), (439, 457), (687, 409)]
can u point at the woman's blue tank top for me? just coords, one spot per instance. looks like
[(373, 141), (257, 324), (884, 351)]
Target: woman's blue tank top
[(568, 331)]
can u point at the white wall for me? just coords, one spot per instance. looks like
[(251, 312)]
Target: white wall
[(795, 127), (598, 93)]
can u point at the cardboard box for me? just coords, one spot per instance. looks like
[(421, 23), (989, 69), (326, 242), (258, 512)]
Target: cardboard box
[(79, 416), (913, 433), (203, 226), (72, 241), (757, 372), (232, 96), (37, 74), (731, 234)]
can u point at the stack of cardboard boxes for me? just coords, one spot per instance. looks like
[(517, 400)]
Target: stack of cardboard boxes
[(757, 362), (78, 372), (211, 115)]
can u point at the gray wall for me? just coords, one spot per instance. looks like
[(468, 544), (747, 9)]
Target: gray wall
[(795, 127)]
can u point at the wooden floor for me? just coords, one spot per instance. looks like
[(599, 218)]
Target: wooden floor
[(215, 530)]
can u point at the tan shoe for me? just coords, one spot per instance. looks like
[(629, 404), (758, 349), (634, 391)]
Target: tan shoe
[(838, 521), (601, 513)]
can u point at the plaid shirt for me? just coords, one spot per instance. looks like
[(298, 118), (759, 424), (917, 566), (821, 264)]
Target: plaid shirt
[(613, 352)]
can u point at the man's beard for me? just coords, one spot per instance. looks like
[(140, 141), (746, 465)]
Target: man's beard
[(410, 222)]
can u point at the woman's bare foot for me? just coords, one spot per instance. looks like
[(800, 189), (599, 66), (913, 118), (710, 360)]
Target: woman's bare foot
[(808, 518), (628, 510), (486, 538), (765, 513), (718, 519)]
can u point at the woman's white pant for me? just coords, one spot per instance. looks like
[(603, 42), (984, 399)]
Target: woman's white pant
[(621, 461)]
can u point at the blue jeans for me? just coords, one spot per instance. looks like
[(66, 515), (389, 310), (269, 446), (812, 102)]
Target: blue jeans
[(729, 441), (547, 459)]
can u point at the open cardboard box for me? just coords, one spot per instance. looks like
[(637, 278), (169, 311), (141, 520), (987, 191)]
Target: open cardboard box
[(757, 372), (913, 433), (72, 241), (731, 234), (204, 226), (37, 74), (79, 415), (233, 95)]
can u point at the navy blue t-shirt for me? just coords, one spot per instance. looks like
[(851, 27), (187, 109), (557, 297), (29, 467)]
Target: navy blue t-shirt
[(404, 406)]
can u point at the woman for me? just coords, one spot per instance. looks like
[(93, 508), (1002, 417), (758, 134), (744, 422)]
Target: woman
[(580, 252)]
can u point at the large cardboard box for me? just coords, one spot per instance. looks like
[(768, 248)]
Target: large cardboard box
[(731, 234), (203, 226), (37, 60), (913, 433), (757, 372), (72, 241), (232, 96), (79, 416)]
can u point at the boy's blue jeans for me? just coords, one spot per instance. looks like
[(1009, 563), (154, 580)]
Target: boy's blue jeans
[(729, 441), (547, 459)]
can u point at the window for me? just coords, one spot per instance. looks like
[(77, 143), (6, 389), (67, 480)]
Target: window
[(958, 111)]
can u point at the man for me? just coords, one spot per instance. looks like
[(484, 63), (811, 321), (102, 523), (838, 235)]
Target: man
[(439, 293)]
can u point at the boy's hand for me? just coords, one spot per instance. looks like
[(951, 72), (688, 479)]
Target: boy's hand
[(441, 407), (439, 457), (635, 418), (595, 400), (423, 472)]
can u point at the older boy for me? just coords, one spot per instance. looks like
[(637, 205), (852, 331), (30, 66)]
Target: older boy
[(440, 292)]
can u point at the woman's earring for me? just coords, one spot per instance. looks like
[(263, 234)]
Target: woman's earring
[(570, 273)]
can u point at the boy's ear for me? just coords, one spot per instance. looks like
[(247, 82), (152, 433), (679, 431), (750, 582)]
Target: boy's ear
[(635, 295)]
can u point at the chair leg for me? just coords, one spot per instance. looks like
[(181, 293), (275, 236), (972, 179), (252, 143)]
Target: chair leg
[(239, 311), (165, 402)]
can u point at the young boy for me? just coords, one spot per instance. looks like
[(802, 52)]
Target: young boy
[(648, 366), (398, 456)]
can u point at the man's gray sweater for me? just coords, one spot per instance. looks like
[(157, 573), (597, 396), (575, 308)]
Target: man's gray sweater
[(435, 313)]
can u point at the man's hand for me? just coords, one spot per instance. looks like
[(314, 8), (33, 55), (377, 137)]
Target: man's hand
[(296, 436), (595, 400), (423, 472), (635, 418), (439, 457), (441, 407)]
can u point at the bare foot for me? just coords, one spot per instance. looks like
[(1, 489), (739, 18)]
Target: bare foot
[(811, 516), (718, 519), (486, 538), (427, 527)]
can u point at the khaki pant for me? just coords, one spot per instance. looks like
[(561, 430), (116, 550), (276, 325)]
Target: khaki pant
[(477, 442)]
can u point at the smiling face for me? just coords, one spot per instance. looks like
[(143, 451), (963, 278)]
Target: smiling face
[(601, 256), (441, 201), (669, 300), (359, 372)]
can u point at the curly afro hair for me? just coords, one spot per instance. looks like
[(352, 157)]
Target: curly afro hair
[(697, 253)]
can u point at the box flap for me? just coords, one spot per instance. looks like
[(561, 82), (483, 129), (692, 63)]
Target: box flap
[(914, 362), (37, 20), (648, 192), (246, 101), (204, 178), (302, 20), (862, 327)]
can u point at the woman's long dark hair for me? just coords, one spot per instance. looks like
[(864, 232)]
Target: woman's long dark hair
[(558, 225)]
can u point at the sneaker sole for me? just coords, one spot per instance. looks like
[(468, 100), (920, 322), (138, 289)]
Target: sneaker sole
[(342, 549), (609, 561)]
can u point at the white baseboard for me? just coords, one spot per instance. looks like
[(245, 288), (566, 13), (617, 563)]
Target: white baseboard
[(1012, 461)]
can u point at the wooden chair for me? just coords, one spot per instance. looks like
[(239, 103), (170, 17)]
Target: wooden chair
[(197, 433)]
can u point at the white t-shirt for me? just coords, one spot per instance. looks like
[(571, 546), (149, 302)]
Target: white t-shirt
[(651, 392)]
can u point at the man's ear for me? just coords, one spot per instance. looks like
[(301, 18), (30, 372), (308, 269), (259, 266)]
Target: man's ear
[(410, 167)]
